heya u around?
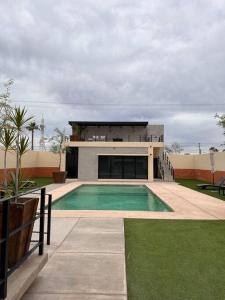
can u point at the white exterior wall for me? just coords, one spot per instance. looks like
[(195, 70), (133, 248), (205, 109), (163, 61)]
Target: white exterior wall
[(88, 159)]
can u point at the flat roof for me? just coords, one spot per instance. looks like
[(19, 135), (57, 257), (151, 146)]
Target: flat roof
[(106, 123)]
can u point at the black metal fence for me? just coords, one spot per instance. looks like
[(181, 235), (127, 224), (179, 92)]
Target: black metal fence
[(128, 138), (37, 244)]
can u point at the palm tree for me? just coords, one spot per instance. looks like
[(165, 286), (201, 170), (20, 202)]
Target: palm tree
[(32, 127)]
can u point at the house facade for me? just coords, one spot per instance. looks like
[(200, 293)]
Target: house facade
[(114, 150)]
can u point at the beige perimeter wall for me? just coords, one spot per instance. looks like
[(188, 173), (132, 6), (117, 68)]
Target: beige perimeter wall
[(34, 163), (30, 159), (198, 166), (198, 162)]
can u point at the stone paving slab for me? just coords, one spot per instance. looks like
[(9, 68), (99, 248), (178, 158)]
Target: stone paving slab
[(100, 224), (106, 242), (82, 273), (87, 262)]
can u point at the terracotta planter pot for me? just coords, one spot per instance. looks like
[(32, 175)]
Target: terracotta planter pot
[(59, 177), (20, 213), (74, 138)]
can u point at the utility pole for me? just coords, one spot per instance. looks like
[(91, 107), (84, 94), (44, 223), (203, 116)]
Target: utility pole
[(42, 139), (199, 148)]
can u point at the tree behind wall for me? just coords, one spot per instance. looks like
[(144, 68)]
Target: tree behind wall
[(5, 107), (32, 127), (221, 122), (58, 144), (174, 148)]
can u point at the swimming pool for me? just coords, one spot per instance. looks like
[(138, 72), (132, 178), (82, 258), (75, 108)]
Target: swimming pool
[(111, 197)]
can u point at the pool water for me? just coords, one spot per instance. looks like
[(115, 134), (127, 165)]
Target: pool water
[(111, 197)]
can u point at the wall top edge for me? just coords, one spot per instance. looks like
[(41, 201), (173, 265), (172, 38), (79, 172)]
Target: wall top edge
[(116, 144)]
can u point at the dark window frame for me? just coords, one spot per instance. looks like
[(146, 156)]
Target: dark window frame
[(123, 161)]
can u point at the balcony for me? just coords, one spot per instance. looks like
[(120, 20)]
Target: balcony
[(128, 138)]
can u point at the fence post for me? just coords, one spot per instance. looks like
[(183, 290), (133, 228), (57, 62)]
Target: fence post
[(42, 222), (49, 219), (4, 249)]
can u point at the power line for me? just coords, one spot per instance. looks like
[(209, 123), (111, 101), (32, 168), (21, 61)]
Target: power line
[(37, 102)]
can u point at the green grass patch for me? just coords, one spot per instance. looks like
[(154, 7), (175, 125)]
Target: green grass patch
[(175, 259), (42, 181), (191, 184)]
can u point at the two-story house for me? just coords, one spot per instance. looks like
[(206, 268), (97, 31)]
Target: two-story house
[(114, 150)]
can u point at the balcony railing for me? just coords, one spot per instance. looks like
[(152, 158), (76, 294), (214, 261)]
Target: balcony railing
[(128, 138), (37, 241)]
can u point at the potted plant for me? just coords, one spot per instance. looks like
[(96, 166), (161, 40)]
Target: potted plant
[(21, 210), (58, 147), (78, 133), (7, 139)]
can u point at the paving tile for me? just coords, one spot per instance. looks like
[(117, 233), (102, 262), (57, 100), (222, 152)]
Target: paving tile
[(71, 297), (100, 224), (61, 227), (89, 241), (82, 273)]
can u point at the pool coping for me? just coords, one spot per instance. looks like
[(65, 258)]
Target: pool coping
[(185, 203)]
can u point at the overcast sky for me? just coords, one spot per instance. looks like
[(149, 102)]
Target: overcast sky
[(160, 61)]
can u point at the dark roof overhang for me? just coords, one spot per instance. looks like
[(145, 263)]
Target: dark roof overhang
[(105, 123)]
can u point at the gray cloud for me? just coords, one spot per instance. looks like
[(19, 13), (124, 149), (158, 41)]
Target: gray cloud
[(141, 56)]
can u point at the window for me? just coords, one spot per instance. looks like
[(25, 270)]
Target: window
[(116, 167), (123, 167), (141, 167), (129, 167)]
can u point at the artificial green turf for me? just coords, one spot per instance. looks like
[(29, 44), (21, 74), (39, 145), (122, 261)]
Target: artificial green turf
[(191, 183), (42, 181), (175, 259)]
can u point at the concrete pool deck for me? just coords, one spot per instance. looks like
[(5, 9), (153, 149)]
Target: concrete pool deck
[(86, 261), (87, 253), (186, 203)]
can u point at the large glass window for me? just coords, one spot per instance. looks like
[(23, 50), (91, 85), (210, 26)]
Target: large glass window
[(116, 167), (104, 167), (141, 167), (123, 167), (129, 167)]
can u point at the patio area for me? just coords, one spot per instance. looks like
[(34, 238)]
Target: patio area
[(87, 252)]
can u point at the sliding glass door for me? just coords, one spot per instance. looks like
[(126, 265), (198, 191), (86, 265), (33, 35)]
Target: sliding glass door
[(123, 167), (129, 167)]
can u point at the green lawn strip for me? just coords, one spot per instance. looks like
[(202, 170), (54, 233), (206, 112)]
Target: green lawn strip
[(191, 184), (42, 181), (175, 259)]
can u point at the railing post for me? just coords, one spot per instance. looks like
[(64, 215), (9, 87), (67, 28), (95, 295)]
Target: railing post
[(42, 222), (49, 219), (173, 173), (4, 249)]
